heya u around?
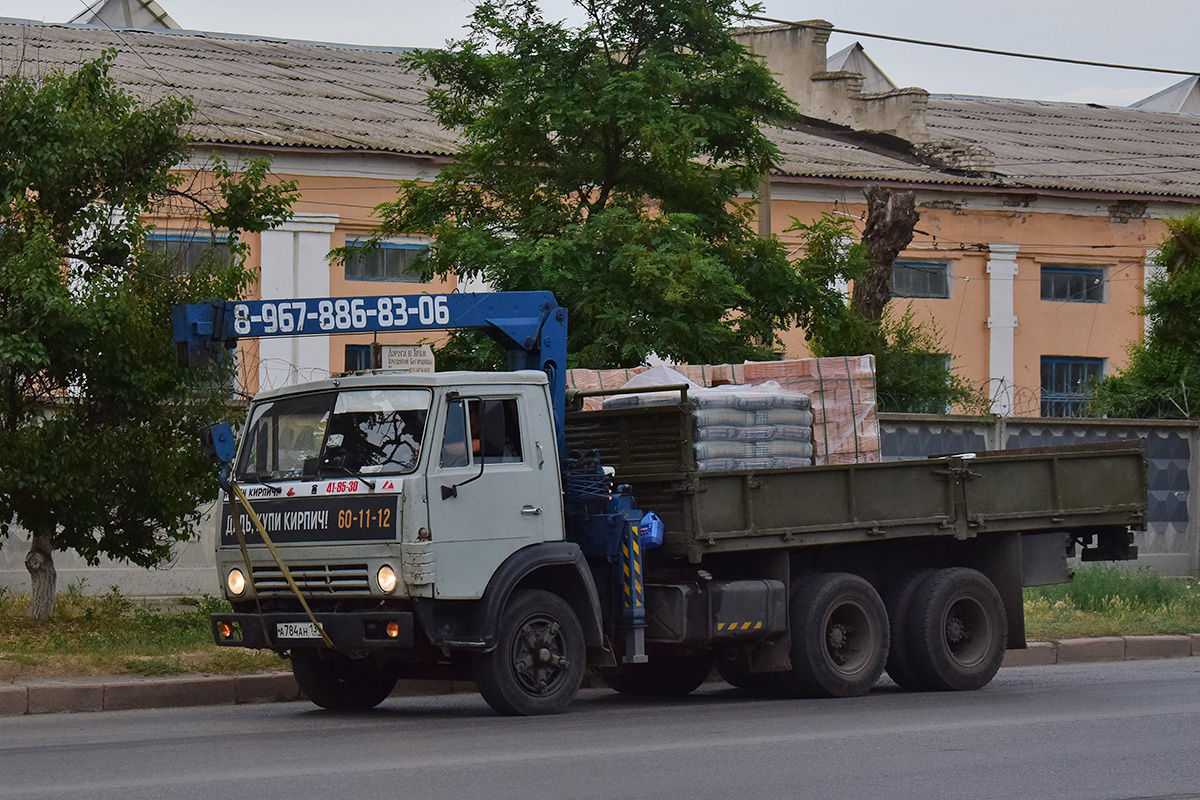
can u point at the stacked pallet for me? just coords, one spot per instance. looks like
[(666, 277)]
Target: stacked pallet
[(845, 427), (842, 390)]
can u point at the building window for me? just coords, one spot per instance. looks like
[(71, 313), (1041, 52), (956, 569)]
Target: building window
[(358, 357), (920, 279), (1067, 384), (387, 262), (189, 250), (1073, 284)]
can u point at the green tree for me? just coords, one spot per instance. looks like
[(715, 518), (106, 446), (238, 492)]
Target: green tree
[(1162, 379), (97, 422), (599, 163), (911, 370)]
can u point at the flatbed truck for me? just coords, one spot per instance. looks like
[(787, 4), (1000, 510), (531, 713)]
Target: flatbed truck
[(459, 525)]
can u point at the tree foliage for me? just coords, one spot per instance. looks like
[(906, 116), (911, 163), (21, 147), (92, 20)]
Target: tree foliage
[(599, 163), (912, 373), (97, 422), (1162, 379)]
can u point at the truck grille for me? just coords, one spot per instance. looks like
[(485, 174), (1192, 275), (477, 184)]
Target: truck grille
[(314, 579)]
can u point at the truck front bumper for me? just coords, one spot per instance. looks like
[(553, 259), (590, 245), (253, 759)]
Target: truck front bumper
[(351, 630)]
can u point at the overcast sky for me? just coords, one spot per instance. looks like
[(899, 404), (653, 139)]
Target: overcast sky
[(1152, 33)]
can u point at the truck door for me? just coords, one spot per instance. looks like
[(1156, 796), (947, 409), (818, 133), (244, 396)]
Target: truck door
[(493, 489)]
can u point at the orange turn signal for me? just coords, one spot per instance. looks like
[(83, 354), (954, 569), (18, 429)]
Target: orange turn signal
[(224, 630), (393, 630)]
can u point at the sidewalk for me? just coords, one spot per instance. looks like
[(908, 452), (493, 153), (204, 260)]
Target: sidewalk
[(113, 693)]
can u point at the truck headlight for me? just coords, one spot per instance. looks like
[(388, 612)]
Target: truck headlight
[(236, 582), (387, 579)]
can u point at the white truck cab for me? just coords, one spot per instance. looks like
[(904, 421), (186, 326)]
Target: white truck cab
[(439, 477)]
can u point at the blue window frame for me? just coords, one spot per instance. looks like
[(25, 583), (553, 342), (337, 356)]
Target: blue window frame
[(920, 279), (1073, 284), (1067, 384), (358, 357), (188, 250), (387, 262)]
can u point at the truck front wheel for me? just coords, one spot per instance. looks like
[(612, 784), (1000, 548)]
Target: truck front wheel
[(339, 683), (956, 630), (839, 632), (538, 662)]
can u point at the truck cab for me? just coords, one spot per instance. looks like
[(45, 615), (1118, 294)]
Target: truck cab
[(406, 509)]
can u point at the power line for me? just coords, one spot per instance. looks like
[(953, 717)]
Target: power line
[(970, 49)]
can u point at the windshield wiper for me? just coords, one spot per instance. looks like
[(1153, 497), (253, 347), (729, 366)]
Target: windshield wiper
[(261, 480)]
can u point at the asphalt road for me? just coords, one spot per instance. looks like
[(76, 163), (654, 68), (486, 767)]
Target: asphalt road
[(1094, 732)]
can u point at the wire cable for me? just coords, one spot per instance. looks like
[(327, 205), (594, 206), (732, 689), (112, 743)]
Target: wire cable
[(970, 49)]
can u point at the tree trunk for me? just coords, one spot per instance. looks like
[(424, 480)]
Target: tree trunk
[(891, 218), (40, 563)]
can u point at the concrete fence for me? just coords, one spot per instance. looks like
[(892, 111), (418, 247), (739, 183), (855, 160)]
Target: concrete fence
[(1171, 543)]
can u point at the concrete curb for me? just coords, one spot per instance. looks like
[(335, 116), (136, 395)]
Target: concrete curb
[(122, 694), (1104, 648)]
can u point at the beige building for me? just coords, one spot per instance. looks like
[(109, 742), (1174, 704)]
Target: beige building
[(1036, 218)]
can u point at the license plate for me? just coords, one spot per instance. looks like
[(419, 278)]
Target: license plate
[(296, 630)]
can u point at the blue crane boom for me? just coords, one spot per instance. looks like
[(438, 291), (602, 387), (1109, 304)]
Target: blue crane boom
[(530, 326)]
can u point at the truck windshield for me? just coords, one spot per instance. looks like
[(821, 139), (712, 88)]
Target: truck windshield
[(325, 434)]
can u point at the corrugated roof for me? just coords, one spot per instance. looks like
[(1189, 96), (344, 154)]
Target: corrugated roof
[(261, 91), (1072, 146), (805, 153), (252, 90)]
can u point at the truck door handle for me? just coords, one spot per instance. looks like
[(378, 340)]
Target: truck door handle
[(531, 511)]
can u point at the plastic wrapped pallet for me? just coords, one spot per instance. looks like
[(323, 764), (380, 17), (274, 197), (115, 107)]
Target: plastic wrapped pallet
[(842, 390), (598, 379), (737, 427)]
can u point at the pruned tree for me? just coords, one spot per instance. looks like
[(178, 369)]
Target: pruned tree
[(911, 370), (97, 421), (601, 163), (891, 220)]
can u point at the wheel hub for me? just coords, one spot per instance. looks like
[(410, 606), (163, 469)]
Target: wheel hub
[(539, 655), (838, 636), (956, 631)]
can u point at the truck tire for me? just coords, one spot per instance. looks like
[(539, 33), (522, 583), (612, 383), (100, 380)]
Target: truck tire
[(956, 630), (538, 662), (839, 632), (339, 683), (661, 677), (897, 599)]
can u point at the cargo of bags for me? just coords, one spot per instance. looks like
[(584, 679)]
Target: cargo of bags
[(840, 417), (737, 427)]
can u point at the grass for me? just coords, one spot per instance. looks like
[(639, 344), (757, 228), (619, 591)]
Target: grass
[(1107, 600), (111, 634)]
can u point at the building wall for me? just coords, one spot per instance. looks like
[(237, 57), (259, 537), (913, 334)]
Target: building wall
[(995, 246), (338, 193)]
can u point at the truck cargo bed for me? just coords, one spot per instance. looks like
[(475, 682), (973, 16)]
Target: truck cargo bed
[(1081, 489)]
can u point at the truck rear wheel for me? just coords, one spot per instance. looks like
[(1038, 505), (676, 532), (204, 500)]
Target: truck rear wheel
[(661, 677), (898, 601), (537, 664), (957, 630), (839, 636), (339, 683)]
